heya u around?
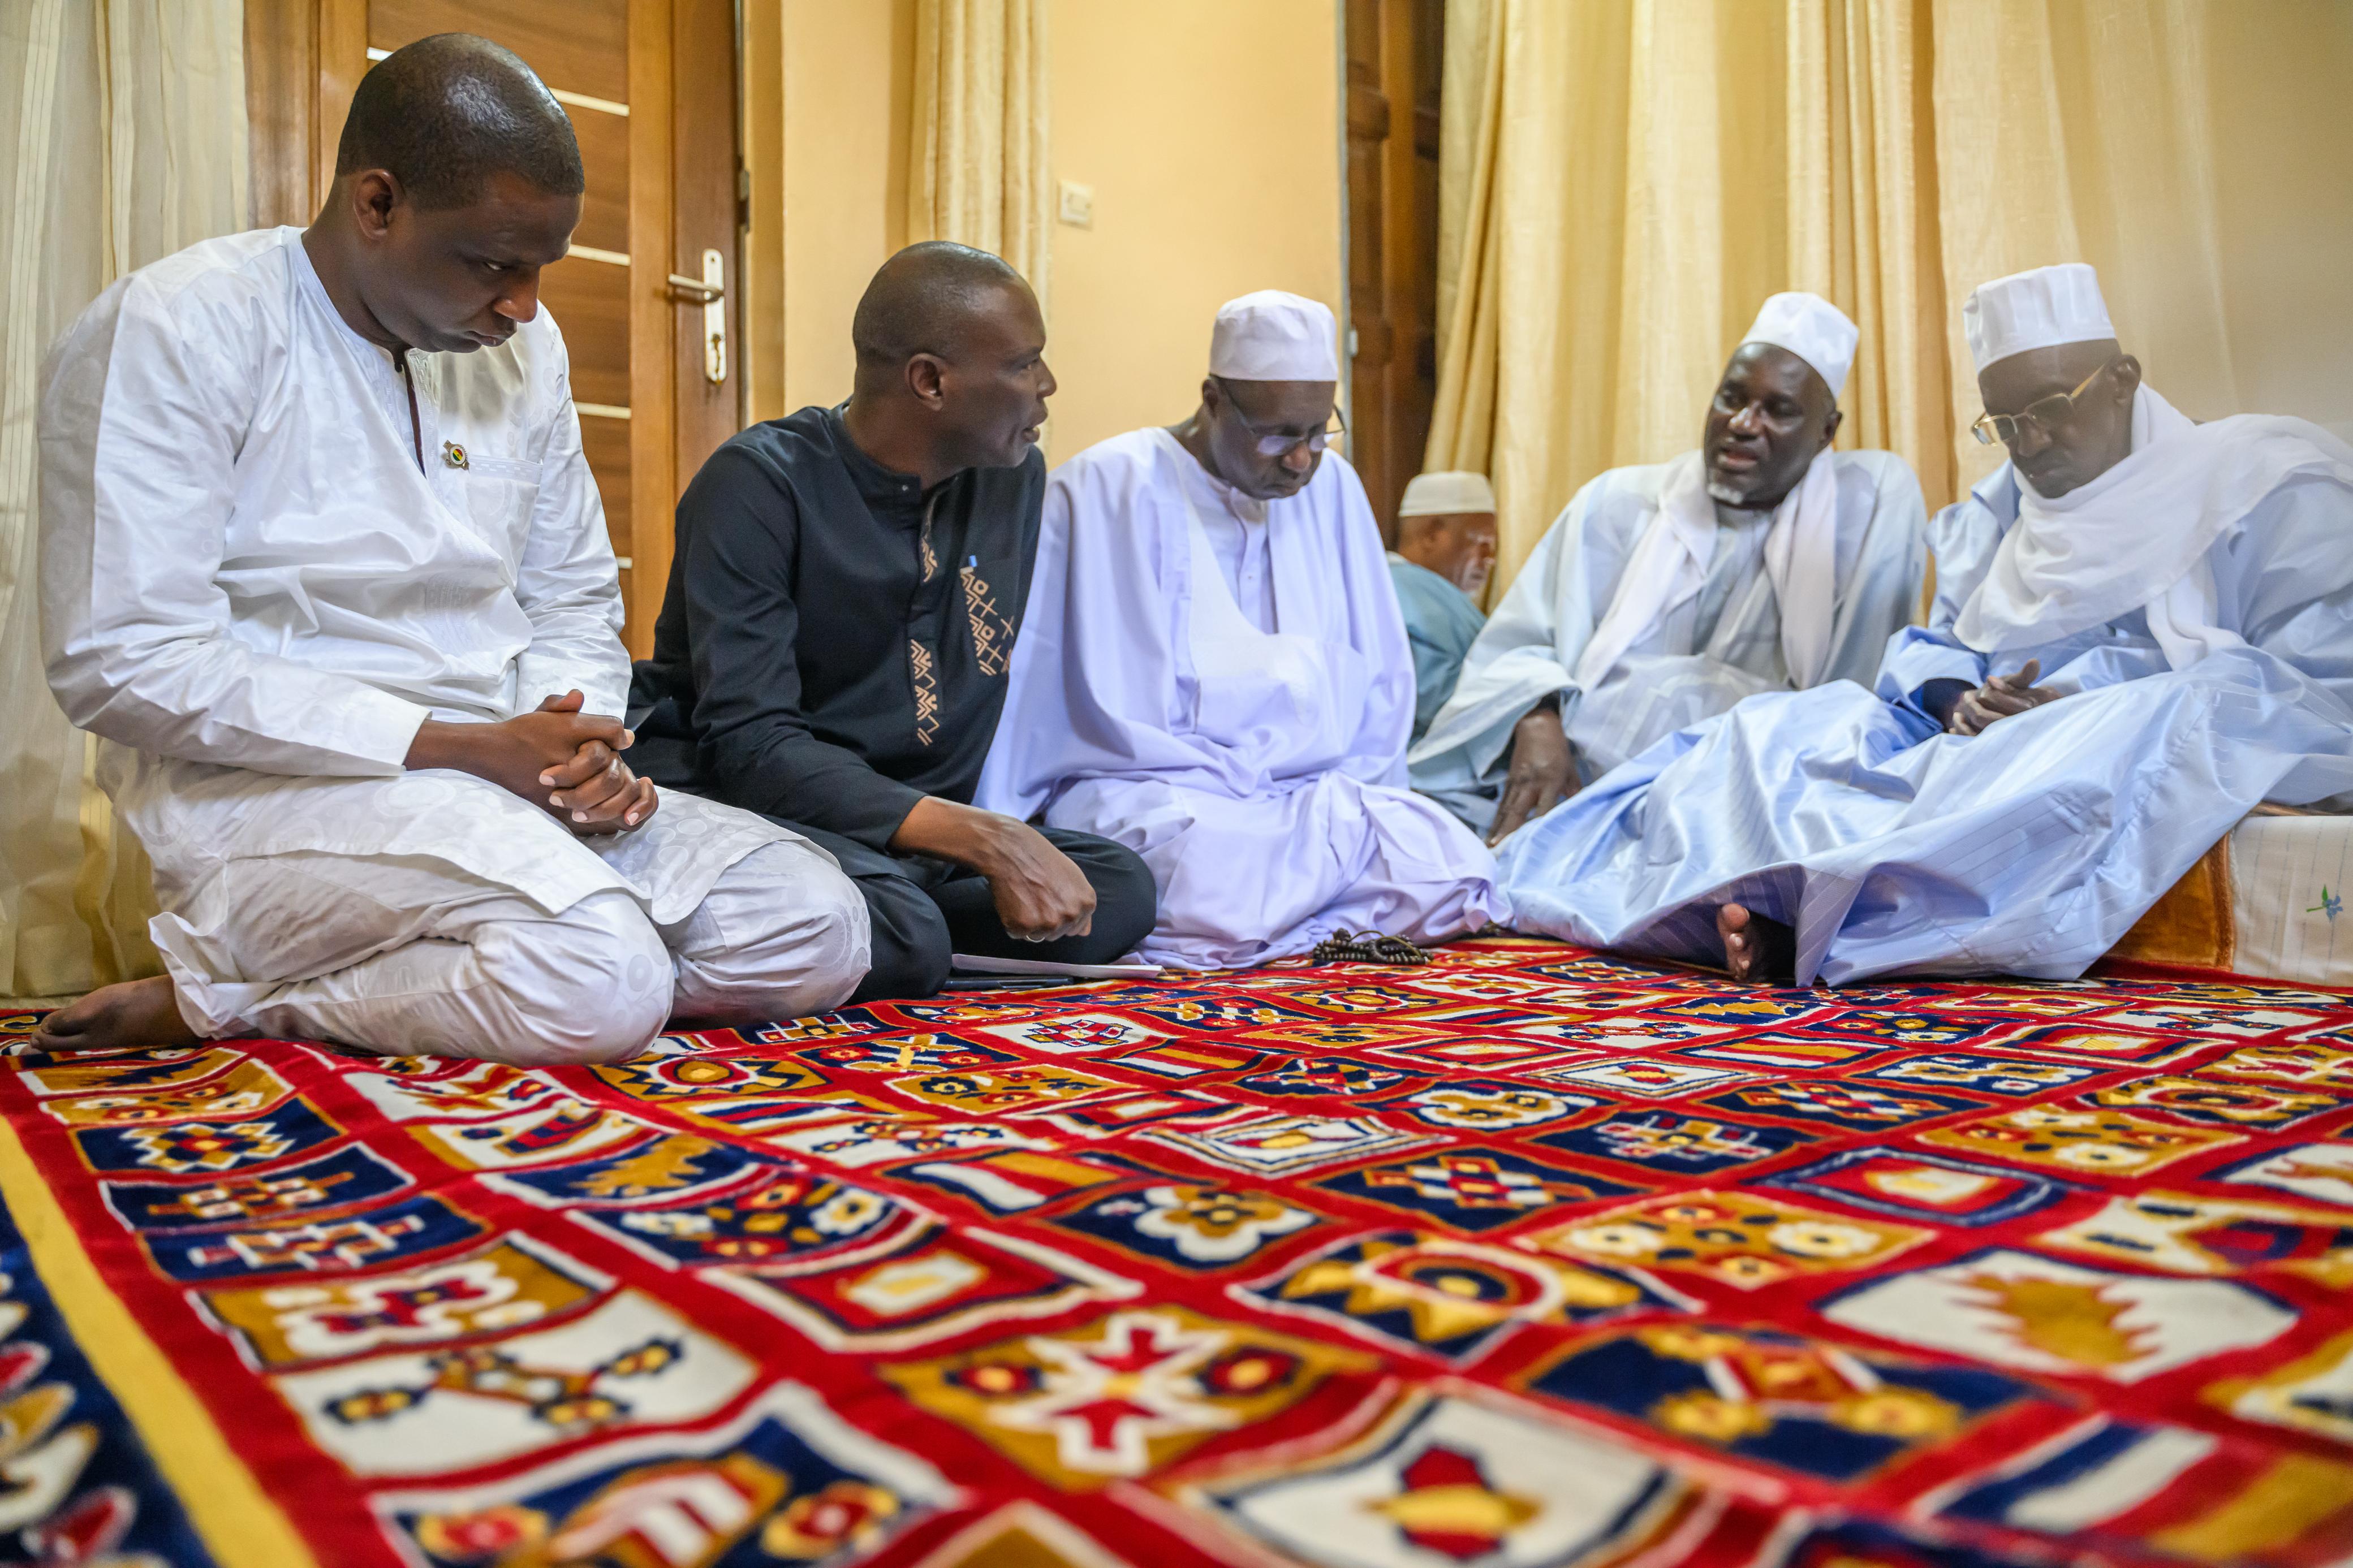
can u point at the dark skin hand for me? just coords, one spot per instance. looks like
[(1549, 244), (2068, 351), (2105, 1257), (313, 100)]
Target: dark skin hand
[(1040, 893), (1999, 698), (1543, 771), (558, 758)]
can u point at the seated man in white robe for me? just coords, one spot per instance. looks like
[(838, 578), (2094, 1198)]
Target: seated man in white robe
[(2144, 628), (1213, 671), (1665, 593), (323, 566)]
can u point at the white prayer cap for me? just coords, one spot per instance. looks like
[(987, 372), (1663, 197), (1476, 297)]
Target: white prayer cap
[(1274, 336), (2040, 309), (1454, 493), (1814, 330)]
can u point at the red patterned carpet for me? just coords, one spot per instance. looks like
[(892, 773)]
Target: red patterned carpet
[(1526, 1258)]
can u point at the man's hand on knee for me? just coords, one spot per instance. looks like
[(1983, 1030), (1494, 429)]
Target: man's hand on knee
[(1543, 771), (1040, 893), (563, 761)]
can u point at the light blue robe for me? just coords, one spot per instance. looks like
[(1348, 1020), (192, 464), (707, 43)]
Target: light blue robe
[(1892, 847), (1705, 652), (1440, 623)]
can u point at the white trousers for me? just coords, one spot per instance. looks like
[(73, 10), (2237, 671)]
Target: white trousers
[(409, 955)]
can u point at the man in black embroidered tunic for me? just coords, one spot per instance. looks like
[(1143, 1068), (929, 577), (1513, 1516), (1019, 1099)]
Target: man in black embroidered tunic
[(833, 641)]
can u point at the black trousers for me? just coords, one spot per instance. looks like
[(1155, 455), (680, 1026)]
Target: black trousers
[(924, 910)]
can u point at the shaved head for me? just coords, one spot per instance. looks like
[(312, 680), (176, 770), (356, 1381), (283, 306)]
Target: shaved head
[(951, 363), (925, 300), (446, 114)]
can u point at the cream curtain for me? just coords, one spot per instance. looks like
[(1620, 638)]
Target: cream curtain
[(977, 168), (125, 136), (1622, 181)]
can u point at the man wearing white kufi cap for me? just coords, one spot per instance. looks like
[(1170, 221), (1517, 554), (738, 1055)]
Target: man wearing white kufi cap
[(2142, 628), (1213, 671), (1666, 593)]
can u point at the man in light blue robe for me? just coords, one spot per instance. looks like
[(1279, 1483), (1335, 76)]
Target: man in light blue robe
[(2144, 628), (1445, 551), (1665, 593)]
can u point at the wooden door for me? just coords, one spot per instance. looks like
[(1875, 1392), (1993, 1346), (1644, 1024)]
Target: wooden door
[(650, 87), (1395, 48)]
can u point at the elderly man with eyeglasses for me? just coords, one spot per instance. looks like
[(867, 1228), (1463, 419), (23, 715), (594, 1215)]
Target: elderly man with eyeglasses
[(2143, 629), (1213, 671)]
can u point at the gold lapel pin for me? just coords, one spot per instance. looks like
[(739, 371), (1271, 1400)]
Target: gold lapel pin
[(453, 454)]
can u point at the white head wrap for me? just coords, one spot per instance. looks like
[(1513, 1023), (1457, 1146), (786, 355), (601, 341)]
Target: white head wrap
[(2036, 309), (1454, 493), (1814, 330), (1274, 336)]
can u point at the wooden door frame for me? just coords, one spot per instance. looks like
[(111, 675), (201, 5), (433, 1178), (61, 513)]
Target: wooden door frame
[(653, 323), (303, 61), (1390, 343), (1348, 389)]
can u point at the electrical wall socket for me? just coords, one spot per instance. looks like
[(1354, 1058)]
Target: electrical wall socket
[(1078, 205)]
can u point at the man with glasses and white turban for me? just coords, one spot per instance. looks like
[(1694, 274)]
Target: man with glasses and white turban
[(1666, 593), (2144, 628), (1213, 671)]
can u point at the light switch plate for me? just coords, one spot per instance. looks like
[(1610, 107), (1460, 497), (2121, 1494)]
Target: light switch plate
[(1078, 205)]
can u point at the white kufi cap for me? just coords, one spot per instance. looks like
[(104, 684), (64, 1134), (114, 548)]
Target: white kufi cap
[(2036, 309), (1454, 493), (1814, 330), (1274, 336)]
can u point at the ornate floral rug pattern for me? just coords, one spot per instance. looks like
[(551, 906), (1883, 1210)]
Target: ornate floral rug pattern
[(1526, 1258)]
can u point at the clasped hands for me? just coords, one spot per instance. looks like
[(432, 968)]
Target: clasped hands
[(1999, 698), (566, 762)]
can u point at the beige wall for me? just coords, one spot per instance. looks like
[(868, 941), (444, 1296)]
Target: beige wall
[(826, 89), (1209, 131)]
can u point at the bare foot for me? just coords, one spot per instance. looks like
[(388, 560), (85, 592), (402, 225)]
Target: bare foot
[(135, 1013), (1756, 949)]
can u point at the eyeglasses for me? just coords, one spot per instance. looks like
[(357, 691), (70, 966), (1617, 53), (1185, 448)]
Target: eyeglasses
[(2041, 414), (1275, 444)]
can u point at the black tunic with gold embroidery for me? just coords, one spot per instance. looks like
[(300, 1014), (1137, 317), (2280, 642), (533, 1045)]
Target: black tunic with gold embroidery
[(834, 638)]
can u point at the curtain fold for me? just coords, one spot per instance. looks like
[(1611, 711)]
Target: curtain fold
[(1862, 216), (978, 169), (125, 140), (1623, 181)]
